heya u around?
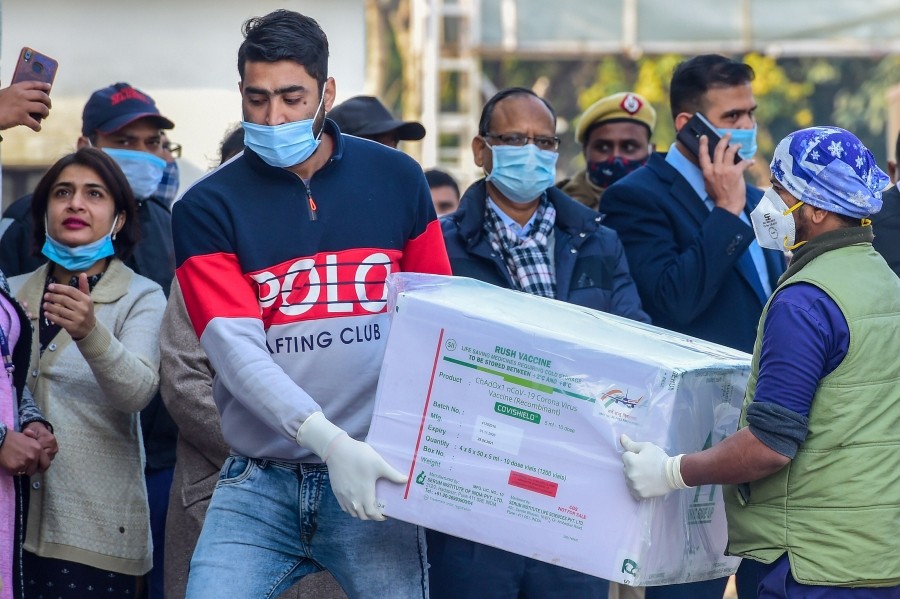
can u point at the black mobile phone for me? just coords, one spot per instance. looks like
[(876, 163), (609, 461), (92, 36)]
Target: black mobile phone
[(34, 66), (698, 125)]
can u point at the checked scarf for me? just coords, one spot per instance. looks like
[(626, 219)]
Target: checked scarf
[(528, 258)]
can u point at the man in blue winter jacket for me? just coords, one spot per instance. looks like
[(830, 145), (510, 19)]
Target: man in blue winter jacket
[(516, 230)]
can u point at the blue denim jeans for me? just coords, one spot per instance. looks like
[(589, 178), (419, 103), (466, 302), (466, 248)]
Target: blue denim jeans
[(269, 524)]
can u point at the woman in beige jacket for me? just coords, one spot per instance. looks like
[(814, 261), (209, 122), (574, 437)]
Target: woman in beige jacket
[(94, 365)]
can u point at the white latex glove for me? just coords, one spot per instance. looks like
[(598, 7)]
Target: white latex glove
[(353, 466), (649, 471)]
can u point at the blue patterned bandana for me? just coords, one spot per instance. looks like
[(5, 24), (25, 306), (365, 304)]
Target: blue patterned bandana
[(829, 168)]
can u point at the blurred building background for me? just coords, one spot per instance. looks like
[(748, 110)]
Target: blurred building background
[(182, 53), (817, 62)]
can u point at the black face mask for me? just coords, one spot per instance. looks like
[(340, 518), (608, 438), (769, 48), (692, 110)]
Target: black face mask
[(605, 173)]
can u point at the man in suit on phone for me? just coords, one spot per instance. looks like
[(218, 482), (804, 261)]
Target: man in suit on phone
[(685, 225), (685, 221)]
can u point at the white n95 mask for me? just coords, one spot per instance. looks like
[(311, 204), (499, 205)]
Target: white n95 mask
[(773, 223)]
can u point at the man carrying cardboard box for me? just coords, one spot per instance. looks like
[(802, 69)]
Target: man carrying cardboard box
[(283, 254), (813, 467)]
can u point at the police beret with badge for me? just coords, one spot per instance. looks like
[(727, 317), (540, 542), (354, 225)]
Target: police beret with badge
[(624, 106)]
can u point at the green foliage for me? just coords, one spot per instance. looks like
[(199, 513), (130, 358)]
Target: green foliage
[(863, 108)]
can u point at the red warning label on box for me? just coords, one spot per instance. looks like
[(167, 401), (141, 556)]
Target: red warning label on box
[(533, 483)]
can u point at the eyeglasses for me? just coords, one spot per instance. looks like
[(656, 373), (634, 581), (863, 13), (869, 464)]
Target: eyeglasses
[(543, 142), (173, 148)]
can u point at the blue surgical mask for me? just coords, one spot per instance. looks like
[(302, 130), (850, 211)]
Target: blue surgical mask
[(745, 137), (522, 173), (82, 257), (144, 171), (283, 145)]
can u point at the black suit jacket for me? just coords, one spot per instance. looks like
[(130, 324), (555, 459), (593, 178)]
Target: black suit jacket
[(886, 226), (686, 259)]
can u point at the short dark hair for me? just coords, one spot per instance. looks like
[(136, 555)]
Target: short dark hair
[(286, 35), (694, 77), (439, 178), (487, 113), (106, 168)]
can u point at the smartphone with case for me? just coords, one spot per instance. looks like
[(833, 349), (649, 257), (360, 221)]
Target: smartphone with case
[(34, 66), (698, 125)]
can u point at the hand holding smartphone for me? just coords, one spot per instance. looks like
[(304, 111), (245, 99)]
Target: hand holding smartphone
[(698, 125), (17, 101)]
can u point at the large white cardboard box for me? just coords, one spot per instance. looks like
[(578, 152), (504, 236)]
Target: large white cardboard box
[(505, 410)]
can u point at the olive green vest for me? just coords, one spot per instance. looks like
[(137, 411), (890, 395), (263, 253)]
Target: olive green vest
[(835, 508)]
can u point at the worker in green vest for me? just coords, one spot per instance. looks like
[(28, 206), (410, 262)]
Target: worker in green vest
[(812, 471)]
